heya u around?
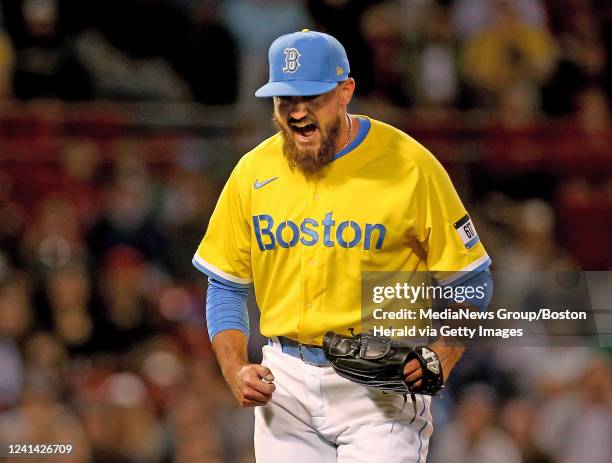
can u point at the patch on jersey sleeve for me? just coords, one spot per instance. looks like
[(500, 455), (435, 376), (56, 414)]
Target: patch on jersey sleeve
[(466, 231)]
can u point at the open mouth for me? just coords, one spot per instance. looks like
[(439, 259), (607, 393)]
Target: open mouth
[(305, 132)]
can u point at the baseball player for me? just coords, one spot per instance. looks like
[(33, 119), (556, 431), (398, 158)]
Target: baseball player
[(331, 195)]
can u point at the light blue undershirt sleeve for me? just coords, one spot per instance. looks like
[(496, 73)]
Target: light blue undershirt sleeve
[(481, 278), (226, 308)]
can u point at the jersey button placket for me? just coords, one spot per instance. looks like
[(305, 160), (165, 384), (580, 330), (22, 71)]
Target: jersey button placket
[(324, 205), (307, 264), (310, 264)]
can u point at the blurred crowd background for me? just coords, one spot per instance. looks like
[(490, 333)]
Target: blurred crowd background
[(119, 123)]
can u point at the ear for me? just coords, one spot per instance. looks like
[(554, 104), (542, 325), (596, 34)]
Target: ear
[(346, 91)]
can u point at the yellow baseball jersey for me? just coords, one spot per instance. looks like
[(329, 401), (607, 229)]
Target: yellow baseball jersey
[(387, 205)]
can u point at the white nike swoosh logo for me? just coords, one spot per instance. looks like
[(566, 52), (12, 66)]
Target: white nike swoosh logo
[(257, 185)]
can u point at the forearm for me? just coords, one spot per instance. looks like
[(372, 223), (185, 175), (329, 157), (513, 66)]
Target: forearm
[(450, 351), (228, 328), (230, 348)]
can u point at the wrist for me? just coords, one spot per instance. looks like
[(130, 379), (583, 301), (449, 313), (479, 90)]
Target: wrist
[(231, 369), (448, 354)]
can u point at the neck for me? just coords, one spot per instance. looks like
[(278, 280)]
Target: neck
[(346, 133)]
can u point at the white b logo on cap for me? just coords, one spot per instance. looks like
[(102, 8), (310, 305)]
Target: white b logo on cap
[(292, 57)]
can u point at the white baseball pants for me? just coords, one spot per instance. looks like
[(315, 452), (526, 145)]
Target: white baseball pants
[(316, 416)]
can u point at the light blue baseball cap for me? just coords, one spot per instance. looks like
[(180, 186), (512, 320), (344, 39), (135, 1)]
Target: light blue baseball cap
[(305, 63)]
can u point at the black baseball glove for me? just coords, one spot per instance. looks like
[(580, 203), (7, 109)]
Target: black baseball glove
[(378, 362)]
